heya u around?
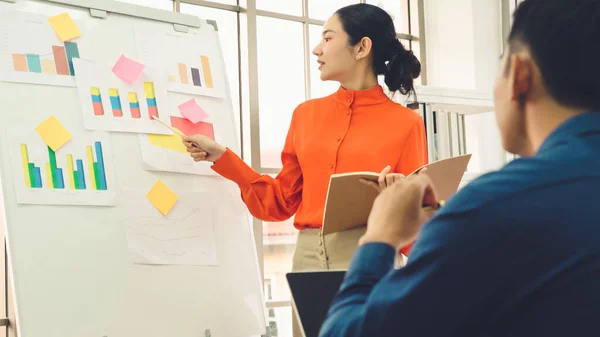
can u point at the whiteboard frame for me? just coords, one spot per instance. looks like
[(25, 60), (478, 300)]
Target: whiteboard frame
[(181, 22)]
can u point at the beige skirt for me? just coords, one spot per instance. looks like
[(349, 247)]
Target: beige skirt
[(315, 252), (330, 252)]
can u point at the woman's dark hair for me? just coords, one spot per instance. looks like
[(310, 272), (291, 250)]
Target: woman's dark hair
[(398, 65)]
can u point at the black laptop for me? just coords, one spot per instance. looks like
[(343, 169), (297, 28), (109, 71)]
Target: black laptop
[(312, 293)]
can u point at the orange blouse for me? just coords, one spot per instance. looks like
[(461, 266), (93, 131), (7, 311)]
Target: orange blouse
[(344, 132)]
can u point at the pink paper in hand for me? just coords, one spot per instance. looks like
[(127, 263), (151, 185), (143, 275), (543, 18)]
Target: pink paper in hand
[(192, 111), (128, 70)]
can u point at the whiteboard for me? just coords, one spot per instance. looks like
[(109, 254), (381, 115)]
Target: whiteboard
[(74, 270)]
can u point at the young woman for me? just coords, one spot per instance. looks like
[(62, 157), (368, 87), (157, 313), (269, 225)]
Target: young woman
[(358, 128)]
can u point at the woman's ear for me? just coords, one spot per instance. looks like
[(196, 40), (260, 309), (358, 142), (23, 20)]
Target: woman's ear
[(364, 48)]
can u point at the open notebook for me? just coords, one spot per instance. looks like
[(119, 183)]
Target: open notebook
[(349, 201)]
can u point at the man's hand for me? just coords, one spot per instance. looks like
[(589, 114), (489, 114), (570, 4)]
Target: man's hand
[(398, 214)]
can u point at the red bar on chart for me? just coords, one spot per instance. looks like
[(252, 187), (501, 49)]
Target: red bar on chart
[(60, 59), (152, 111)]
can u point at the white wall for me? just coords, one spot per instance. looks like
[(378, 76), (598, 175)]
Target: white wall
[(464, 40)]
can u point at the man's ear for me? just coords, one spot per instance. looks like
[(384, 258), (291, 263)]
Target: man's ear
[(520, 76)]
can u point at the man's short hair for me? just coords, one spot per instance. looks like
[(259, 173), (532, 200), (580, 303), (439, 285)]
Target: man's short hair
[(563, 37)]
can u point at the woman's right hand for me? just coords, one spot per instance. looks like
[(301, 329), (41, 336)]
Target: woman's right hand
[(202, 148), (385, 179)]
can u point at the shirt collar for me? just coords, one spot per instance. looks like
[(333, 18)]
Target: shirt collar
[(572, 128), (374, 95)]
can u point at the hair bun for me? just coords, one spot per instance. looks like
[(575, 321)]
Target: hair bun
[(402, 68)]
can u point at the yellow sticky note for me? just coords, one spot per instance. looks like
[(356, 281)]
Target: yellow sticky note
[(53, 133), (170, 142), (162, 197), (64, 27)]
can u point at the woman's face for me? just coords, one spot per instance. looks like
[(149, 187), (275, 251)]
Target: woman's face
[(336, 58)]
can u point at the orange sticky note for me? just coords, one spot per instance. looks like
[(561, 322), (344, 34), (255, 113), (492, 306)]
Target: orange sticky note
[(64, 27), (53, 133), (162, 197)]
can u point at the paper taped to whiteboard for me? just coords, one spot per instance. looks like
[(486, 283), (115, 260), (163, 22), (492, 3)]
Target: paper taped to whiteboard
[(41, 58), (186, 236), (79, 173), (109, 104)]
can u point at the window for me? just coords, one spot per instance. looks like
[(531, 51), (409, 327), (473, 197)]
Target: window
[(280, 83), (228, 35), (322, 10), (291, 7), (160, 4), (398, 10)]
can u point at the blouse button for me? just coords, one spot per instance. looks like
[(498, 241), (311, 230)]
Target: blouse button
[(339, 139), (331, 166)]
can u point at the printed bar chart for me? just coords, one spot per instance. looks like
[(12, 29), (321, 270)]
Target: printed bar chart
[(134, 105), (72, 52), (97, 101), (183, 77), (33, 63), (81, 172), (151, 99), (196, 77), (76, 174), (110, 104), (185, 72), (60, 64), (115, 102), (48, 67), (71, 172), (80, 175), (60, 60), (206, 69), (32, 174), (100, 172)]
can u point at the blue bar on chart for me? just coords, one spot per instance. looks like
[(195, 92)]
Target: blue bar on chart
[(34, 64), (72, 52), (37, 176), (100, 163), (80, 174), (60, 182)]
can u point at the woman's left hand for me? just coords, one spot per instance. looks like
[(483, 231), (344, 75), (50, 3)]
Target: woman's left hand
[(385, 179)]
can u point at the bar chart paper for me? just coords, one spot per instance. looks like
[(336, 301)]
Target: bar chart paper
[(79, 173), (110, 104), (41, 57), (192, 67)]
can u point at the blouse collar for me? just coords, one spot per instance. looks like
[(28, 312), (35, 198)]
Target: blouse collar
[(374, 95)]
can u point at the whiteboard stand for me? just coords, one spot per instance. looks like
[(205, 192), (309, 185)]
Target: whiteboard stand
[(58, 269)]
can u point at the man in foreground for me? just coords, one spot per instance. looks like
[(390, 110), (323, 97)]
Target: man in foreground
[(516, 252)]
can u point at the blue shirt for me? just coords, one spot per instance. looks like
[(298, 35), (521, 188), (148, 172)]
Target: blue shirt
[(515, 253)]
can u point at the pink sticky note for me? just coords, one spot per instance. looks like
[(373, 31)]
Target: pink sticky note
[(192, 111), (128, 70)]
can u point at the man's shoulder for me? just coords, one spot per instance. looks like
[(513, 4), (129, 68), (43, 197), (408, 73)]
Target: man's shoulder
[(512, 182)]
